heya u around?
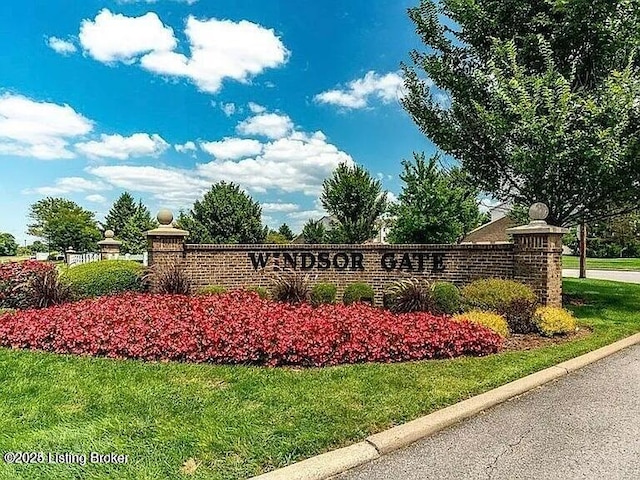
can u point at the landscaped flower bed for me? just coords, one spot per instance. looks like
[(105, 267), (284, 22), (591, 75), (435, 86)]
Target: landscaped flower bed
[(239, 327)]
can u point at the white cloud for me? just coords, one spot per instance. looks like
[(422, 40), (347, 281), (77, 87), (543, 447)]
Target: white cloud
[(228, 108), (297, 163), (357, 93), (69, 185), (255, 108), (232, 148), (220, 49), (280, 207), (63, 47), (38, 129), (270, 125), (186, 147), (175, 188), (117, 146), (217, 49), (96, 198), (114, 37)]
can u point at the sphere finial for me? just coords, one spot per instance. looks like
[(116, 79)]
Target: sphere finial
[(165, 217), (538, 212), (109, 234)]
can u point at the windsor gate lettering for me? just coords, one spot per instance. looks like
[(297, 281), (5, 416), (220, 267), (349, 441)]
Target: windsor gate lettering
[(355, 261)]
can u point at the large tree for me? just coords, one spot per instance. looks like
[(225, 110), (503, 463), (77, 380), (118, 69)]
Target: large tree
[(356, 200), (314, 232), (62, 224), (8, 244), (225, 214), (436, 205), (120, 213), (286, 232), (132, 234), (539, 99)]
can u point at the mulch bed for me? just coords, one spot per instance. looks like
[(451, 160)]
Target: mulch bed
[(532, 341)]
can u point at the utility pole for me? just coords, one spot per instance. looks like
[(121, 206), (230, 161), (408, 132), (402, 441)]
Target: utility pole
[(583, 250)]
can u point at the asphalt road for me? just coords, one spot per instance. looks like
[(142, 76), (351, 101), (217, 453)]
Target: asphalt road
[(614, 275), (583, 426)]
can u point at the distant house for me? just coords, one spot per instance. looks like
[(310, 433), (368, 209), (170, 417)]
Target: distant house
[(496, 229)]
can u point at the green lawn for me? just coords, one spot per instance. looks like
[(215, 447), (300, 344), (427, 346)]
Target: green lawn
[(627, 264), (240, 421), (4, 259)]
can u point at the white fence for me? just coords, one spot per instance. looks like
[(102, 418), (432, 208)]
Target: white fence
[(80, 258)]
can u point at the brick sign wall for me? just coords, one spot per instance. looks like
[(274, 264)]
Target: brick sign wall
[(534, 257), (236, 266)]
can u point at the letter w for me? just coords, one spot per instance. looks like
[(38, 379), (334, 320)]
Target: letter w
[(260, 261)]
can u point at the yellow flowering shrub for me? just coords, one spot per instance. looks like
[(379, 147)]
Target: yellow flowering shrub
[(491, 320), (554, 320)]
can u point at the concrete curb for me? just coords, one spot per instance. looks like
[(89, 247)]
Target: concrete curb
[(338, 461)]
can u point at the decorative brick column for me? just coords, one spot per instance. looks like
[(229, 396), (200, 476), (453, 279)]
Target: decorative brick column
[(537, 255), (165, 243), (109, 248)]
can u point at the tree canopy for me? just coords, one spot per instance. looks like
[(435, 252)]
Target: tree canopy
[(539, 100), (8, 244), (286, 232), (356, 200), (62, 224), (436, 205), (225, 214), (314, 232), (129, 221)]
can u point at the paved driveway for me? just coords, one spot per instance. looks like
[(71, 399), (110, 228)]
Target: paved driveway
[(615, 275), (583, 426)]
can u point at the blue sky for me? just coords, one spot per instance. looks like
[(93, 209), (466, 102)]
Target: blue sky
[(163, 98)]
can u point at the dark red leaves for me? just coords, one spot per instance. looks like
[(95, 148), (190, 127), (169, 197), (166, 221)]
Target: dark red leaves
[(14, 279), (239, 327)]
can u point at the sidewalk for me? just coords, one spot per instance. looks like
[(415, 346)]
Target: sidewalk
[(585, 425), (614, 275)]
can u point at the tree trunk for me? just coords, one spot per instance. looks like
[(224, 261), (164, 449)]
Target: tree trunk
[(583, 250)]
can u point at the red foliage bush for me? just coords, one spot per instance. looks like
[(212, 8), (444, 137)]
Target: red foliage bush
[(14, 282), (240, 327)]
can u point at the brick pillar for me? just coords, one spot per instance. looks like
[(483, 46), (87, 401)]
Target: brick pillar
[(165, 243), (538, 255), (109, 248)]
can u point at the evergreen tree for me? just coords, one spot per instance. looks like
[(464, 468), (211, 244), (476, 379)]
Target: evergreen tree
[(286, 232), (133, 233), (314, 232), (120, 213)]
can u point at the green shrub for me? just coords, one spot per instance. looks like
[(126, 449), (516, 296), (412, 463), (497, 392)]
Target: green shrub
[(491, 320), (261, 291), (513, 300), (358, 292), (4, 311), (106, 277), (554, 320), (446, 298), (323, 293), (290, 286), (212, 290), (409, 295)]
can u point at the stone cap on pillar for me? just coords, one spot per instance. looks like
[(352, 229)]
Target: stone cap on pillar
[(166, 228), (109, 240), (538, 213)]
